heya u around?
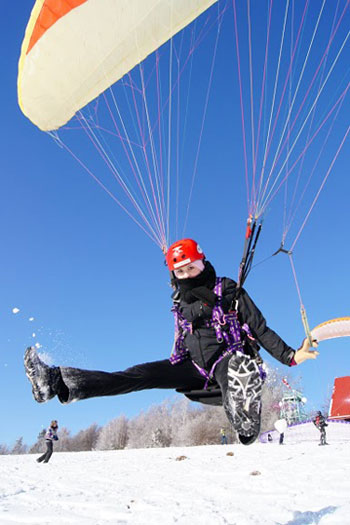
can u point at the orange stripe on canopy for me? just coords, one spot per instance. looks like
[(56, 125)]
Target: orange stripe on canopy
[(51, 11)]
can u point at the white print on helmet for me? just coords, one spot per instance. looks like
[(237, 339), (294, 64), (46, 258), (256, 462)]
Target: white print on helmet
[(182, 263), (177, 251)]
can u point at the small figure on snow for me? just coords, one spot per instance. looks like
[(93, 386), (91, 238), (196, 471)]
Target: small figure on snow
[(50, 437), (218, 333), (320, 422), (223, 436), (281, 426)]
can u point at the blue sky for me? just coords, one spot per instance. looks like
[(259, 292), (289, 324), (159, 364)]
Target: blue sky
[(96, 285)]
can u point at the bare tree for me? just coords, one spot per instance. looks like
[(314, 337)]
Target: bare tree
[(271, 397), (143, 428), (19, 447), (38, 445), (85, 439), (64, 444), (114, 435), (201, 426), (4, 450)]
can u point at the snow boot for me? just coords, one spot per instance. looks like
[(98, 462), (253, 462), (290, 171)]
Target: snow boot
[(243, 398), (45, 379)]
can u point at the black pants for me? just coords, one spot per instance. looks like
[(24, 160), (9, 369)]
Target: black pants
[(47, 455), (83, 384)]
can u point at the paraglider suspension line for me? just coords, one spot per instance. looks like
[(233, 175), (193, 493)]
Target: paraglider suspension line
[(251, 238)]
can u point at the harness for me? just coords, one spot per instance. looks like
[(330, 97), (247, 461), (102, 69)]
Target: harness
[(231, 335)]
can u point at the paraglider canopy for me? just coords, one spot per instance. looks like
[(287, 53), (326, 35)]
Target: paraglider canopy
[(75, 50), (332, 329)]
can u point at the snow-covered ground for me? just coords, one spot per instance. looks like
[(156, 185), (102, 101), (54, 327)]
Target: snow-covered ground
[(264, 484), (336, 431)]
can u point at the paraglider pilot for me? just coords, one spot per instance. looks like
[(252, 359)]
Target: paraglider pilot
[(217, 337), (50, 437)]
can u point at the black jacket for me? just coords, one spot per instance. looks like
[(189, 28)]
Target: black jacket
[(320, 422), (202, 344)]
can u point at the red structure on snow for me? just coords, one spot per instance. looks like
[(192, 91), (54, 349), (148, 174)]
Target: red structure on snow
[(340, 403)]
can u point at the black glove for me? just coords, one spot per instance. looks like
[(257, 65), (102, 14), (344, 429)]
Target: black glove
[(188, 296), (204, 294)]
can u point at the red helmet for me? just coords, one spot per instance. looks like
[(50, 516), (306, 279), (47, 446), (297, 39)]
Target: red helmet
[(183, 252)]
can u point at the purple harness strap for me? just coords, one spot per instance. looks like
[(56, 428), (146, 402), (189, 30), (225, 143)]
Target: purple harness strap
[(182, 327), (231, 335)]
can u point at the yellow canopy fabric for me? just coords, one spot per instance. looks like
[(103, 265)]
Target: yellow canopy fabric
[(87, 46)]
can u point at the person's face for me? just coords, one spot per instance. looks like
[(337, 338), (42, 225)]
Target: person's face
[(187, 272)]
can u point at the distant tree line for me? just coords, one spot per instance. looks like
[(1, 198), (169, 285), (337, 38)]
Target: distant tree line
[(172, 423)]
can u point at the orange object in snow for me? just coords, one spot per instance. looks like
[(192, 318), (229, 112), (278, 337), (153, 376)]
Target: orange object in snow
[(340, 403)]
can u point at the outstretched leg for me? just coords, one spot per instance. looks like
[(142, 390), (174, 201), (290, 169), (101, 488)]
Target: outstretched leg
[(72, 384), (46, 380)]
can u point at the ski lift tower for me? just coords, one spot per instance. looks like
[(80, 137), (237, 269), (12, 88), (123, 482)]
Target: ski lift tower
[(292, 407)]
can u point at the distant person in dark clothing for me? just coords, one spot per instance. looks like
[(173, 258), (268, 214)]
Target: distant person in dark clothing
[(281, 438), (50, 437), (321, 423)]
